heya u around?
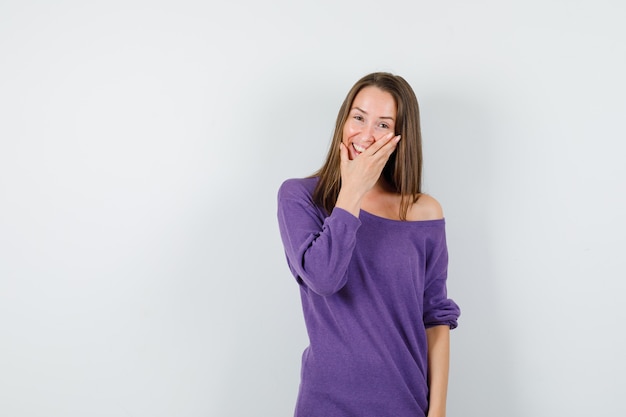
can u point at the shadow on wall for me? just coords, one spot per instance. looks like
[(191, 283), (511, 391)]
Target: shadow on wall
[(459, 168)]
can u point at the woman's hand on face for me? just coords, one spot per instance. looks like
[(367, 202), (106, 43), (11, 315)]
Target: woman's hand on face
[(361, 173)]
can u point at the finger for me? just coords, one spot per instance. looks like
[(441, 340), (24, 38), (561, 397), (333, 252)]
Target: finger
[(375, 147), (388, 147), (393, 142), (386, 136), (343, 153)]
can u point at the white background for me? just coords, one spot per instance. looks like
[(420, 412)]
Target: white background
[(142, 145)]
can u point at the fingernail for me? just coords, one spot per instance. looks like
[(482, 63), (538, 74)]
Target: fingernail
[(398, 138)]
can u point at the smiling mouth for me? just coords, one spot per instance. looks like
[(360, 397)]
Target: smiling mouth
[(358, 148)]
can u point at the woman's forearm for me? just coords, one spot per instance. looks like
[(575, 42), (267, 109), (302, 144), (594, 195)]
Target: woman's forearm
[(438, 367)]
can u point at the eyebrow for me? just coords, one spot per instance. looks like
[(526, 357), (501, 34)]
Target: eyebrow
[(363, 111)]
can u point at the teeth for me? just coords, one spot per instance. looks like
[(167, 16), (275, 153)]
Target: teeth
[(358, 148)]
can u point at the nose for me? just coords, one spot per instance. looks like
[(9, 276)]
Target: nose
[(368, 133)]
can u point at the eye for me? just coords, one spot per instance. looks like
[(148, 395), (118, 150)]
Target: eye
[(384, 125), (358, 117)]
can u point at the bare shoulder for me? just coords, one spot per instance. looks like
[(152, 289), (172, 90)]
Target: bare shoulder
[(426, 208)]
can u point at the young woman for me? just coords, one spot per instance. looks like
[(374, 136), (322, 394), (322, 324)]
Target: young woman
[(368, 250)]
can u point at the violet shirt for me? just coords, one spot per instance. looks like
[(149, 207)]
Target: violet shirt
[(370, 287)]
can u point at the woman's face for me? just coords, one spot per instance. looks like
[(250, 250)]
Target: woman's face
[(372, 116)]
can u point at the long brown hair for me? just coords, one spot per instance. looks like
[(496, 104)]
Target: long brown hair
[(403, 171)]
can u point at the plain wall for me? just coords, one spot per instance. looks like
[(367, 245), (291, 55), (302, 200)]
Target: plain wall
[(142, 144)]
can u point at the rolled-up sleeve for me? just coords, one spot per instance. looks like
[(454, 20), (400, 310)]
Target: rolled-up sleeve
[(438, 308)]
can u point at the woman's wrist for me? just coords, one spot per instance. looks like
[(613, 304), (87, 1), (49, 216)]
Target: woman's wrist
[(350, 202)]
